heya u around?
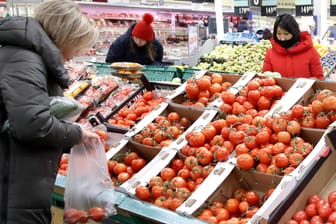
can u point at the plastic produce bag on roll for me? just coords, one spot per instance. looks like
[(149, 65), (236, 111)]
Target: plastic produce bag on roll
[(89, 192)]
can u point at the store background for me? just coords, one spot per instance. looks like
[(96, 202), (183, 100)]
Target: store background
[(173, 17)]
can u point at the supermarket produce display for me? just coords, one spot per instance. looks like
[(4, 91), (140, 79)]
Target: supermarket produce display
[(216, 148)]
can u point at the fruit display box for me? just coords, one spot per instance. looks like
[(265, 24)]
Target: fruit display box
[(163, 109), (320, 179), (236, 178), (290, 181), (317, 87), (232, 79)]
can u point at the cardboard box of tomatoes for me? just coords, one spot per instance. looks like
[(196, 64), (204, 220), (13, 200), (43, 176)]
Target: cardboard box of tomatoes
[(318, 182)]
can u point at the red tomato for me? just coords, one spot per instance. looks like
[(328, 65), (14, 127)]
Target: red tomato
[(71, 216), (157, 191), (138, 164), (130, 157), (311, 210), (332, 217), (329, 103), (196, 139), (123, 177), (314, 199), (84, 216), (155, 181), (209, 132), (324, 211), (263, 137), (204, 156), (300, 216), (245, 161), (192, 90), (173, 117), (228, 97), (102, 134), (332, 197), (167, 173), (232, 205), (178, 182), (322, 121), (295, 159), (281, 160), (252, 197), (293, 127), (96, 213), (297, 111), (221, 154), (142, 192), (149, 95)]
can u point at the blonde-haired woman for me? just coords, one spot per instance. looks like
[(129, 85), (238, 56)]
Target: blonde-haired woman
[(31, 70)]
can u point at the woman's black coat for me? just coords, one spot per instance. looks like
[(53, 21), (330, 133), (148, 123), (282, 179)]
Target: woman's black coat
[(30, 72)]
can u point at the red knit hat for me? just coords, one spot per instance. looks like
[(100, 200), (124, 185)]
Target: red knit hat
[(144, 29)]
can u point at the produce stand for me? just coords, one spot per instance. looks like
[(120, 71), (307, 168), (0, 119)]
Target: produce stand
[(226, 175)]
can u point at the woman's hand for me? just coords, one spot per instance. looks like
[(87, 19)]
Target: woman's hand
[(88, 135)]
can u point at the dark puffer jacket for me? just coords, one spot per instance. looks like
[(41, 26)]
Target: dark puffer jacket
[(120, 51), (30, 72)]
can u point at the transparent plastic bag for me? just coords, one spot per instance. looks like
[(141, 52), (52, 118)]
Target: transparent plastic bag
[(89, 189)]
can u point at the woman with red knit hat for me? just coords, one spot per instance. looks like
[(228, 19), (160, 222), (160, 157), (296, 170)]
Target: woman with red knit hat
[(138, 44)]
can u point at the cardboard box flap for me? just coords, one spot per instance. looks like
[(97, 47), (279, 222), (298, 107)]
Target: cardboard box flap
[(285, 186), (293, 95), (242, 82), (179, 90), (315, 154), (210, 184), (113, 151), (202, 121)]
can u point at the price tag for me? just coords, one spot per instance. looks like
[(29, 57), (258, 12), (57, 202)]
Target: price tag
[(304, 10), (268, 10), (241, 11)]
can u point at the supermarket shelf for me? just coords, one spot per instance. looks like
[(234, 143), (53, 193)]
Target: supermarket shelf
[(167, 7)]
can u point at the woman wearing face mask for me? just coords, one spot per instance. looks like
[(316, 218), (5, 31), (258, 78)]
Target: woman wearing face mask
[(138, 45), (292, 54)]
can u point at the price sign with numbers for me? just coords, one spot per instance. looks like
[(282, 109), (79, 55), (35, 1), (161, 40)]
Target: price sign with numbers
[(241, 11), (269, 8), (304, 7), (304, 10)]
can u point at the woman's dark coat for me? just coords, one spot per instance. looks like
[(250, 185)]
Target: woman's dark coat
[(30, 72)]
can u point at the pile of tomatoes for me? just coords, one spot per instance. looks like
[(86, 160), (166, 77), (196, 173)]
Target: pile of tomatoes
[(237, 209), (163, 130), (175, 183), (63, 164), (319, 113), (129, 115), (125, 166), (317, 210), (256, 98), (73, 216), (207, 143), (200, 92)]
